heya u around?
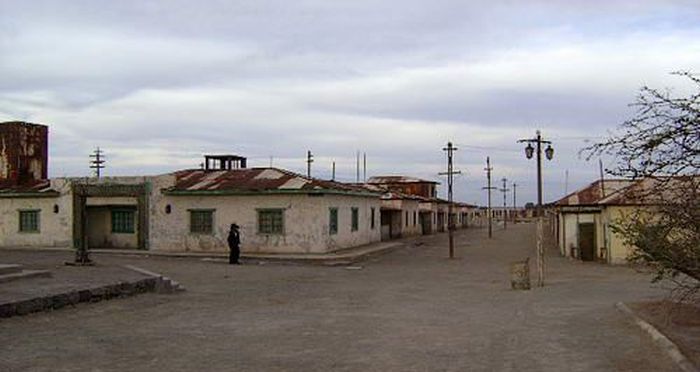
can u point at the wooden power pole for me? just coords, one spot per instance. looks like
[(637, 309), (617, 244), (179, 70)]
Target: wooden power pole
[(505, 190), (515, 206), (98, 161), (309, 160), (450, 178), (488, 170)]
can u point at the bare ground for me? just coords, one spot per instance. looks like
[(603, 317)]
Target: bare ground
[(410, 310)]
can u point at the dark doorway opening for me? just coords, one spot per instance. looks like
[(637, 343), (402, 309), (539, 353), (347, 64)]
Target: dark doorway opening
[(586, 241)]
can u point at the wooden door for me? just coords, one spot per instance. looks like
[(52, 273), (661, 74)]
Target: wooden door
[(586, 241)]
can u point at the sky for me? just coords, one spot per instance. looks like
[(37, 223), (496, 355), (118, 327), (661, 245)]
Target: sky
[(157, 84)]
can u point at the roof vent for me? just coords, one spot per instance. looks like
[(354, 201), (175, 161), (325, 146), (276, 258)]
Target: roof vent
[(224, 162)]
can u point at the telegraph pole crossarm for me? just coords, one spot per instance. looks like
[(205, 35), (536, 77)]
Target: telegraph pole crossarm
[(97, 162)]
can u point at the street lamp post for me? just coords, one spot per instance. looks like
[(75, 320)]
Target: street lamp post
[(549, 153)]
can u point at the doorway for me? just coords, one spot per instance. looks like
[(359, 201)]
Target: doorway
[(586, 241)]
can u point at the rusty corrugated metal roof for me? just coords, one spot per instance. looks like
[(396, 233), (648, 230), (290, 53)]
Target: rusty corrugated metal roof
[(593, 193), (652, 190), (397, 179), (29, 188), (252, 180)]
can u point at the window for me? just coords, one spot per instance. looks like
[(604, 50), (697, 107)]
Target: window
[(372, 223), (355, 219), (415, 219), (333, 221), (202, 221), (123, 221), (406, 218), (29, 221), (271, 221)]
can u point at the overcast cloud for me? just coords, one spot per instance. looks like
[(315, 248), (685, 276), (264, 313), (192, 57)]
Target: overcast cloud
[(158, 83)]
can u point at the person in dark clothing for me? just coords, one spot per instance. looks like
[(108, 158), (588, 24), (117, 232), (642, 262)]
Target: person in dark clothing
[(234, 244)]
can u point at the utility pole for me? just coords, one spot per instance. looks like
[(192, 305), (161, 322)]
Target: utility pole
[(309, 160), (357, 168), (515, 206), (488, 170), (98, 161), (602, 178), (549, 153), (505, 190), (364, 168), (450, 178)]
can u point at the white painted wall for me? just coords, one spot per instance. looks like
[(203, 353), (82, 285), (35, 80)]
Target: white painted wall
[(306, 222), (55, 229)]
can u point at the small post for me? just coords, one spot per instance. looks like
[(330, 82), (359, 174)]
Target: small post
[(333, 172)]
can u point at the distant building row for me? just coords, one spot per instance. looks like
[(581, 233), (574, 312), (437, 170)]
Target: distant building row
[(191, 210)]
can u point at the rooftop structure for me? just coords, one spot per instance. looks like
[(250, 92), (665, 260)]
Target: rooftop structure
[(23, 153)]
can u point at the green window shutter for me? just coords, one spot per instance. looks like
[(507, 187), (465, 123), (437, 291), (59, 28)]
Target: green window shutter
[(355, 219), (123, 221), (29, 221), (271, 221), (333, 221), (201, 221)]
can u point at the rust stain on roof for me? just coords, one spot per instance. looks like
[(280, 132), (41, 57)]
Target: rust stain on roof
[(593, 193), (254, 180), (28, 187), (397, 179)]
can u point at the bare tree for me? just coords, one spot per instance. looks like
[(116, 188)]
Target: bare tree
[(660, 145)]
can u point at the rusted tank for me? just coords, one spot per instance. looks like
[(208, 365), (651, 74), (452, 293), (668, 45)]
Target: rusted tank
[(24, 152)]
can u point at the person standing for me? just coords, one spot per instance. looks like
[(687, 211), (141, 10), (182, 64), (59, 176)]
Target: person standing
[(234, 245)]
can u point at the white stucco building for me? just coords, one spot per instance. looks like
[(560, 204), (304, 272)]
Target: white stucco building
[(190, 211)]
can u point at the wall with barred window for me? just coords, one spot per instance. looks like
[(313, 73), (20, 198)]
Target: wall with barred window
[(54, 225), (305, 222)]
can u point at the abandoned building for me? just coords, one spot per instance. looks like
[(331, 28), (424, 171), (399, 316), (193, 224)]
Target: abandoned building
[(584, 218), (410, 206), (191, 210)]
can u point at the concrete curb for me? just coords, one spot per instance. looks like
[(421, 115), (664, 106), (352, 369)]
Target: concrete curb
[(59, 300), (163, 283), (340, 258), (660, 339)]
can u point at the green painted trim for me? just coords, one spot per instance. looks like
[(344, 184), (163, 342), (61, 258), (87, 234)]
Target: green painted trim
[(265, 192), (48, 194)]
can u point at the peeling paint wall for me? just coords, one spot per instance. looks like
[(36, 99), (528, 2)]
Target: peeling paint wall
[(306, 222), (619, 251), (55, 229), (100, 233)]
